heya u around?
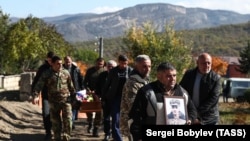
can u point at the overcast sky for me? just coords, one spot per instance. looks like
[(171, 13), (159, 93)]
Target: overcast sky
[(50, 8)]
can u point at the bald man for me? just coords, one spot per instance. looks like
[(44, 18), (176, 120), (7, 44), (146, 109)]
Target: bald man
[(203, 86)]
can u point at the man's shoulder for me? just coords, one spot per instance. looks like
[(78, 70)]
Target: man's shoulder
[(47, 72), (91, 68), (215, 75), (44, 67), (148, 88), (136, 78)]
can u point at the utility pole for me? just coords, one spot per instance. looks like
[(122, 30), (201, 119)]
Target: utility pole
[(100, 47)]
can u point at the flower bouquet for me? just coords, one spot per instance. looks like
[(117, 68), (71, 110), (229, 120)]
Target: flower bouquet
[(90, 102)]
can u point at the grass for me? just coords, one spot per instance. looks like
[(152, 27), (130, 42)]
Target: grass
[(233, 113)]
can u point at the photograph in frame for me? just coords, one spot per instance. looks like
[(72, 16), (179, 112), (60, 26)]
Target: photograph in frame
[(175, 110)]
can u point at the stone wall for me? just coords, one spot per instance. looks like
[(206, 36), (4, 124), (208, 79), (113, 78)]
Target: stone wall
[(25, 85), (20, 83), (10, 82)]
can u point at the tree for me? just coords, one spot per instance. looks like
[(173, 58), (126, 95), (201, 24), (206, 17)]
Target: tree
[(86, 55), (28, 41), (166, 46), (4, 25), (219, 65), (245, 60)]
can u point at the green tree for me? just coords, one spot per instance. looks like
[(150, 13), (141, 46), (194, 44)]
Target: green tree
[(27, 42), (4, 25), (166, 46), (86, 55), (245, 60)]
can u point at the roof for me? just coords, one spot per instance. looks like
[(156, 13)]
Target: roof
[(239, 79), (231, 60)]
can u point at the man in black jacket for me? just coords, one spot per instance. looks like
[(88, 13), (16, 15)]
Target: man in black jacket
[(45, 104), (148, 106), (90, 83), (102, 78), (77, 80), (203, 86), (112, 92)]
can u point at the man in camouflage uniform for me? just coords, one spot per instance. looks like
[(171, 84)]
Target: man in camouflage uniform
[(176, 116), (137, 79), (60, 87)]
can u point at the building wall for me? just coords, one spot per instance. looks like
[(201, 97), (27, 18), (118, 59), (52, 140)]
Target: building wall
[(232, 71)]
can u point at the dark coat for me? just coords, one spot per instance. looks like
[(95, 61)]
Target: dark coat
[(102, 78), (76, 77), (146, 100), (39, 72), (208, 110), (114, 84), (77, 80)]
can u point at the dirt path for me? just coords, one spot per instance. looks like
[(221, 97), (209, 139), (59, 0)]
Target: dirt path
[(22, 121)]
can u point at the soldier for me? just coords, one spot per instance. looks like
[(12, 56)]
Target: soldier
[(60, 87), (138, 78), (176, 117)]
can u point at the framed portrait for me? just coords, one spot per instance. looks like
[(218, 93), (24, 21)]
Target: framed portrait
[(175, 110)]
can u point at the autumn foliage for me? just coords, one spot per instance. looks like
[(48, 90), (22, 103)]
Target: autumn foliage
[(82, 66), (219, 65)]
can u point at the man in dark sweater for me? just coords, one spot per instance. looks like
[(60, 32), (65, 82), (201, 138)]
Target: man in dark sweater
[(45, 104)]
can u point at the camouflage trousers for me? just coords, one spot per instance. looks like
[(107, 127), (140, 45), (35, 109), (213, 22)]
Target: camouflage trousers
[(124, 126), (125, 123), (61, 118)]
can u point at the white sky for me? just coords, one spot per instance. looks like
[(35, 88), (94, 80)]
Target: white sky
[(50, 8)]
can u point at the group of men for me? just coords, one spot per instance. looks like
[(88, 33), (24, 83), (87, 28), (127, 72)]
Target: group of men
[(58, 82), (128, 96)]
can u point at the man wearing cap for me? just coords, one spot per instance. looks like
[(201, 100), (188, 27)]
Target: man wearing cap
[(176, 117)]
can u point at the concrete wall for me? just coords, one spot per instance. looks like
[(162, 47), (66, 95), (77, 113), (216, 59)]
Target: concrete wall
[(20, 82), (10, 82), (25, 85)]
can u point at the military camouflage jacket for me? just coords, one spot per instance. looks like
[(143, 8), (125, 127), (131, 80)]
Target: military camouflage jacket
[(132, 85), (59, 85)]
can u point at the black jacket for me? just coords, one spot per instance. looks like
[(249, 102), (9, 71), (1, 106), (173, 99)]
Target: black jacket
[(208, 110), (114, 84), (76, 77), (143, 111), (39, 72), (77, 80)]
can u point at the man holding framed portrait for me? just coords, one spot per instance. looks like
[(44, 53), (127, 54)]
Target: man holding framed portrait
[(149, 107), (175, 110)]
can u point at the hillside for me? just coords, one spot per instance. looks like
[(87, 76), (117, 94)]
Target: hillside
[(225, 40), (88, 26)]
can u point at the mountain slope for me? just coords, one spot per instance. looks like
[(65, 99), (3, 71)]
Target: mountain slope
[(83, 27), (88, 26)]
